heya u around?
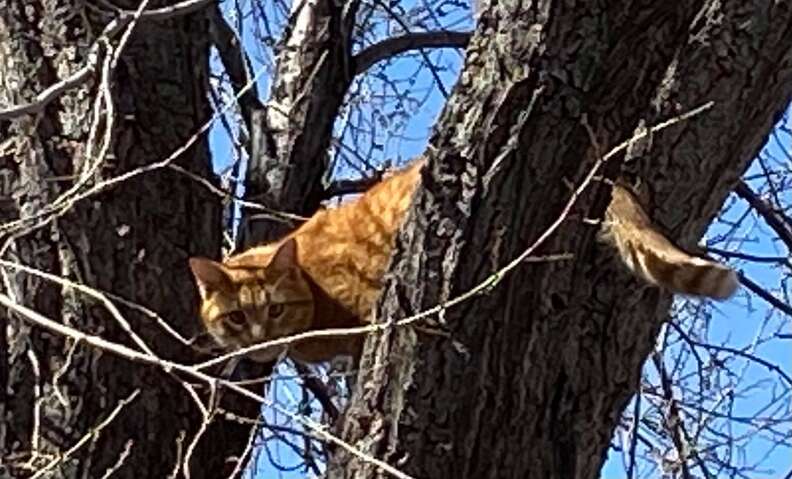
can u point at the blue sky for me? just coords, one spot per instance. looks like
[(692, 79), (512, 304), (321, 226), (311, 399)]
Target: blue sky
[(400, 130)]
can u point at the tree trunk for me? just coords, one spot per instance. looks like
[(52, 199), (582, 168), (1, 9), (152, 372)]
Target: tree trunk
[(528, 378), (132, 240), (291, 137)]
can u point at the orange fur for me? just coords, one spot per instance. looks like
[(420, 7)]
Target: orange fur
[(652, 256), (328, 272), (341, 257)]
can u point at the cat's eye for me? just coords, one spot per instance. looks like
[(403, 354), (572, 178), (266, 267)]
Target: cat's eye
[(275, 310), (236, 318)]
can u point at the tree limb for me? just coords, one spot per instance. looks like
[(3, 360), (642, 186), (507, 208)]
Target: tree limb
[(765, 295), (349, 187), (50, 93), (774, 218), (411, 41), (235, 62), (53, 92)]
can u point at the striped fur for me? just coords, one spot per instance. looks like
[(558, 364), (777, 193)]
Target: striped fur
[(335, 260), (650, 255), (327, 273)]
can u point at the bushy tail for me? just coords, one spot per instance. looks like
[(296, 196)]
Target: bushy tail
[(679, 272), (653, 257)]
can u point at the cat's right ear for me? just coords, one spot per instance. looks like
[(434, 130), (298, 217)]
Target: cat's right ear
[(210, 276)]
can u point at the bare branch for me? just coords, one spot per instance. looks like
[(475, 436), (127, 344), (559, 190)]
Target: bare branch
[(738, 352), (765, 295), (782, 260), (164, 13), (193, 371), (77, 78), (774, 218), (121, 459), (91, 435), (319, 390), (673, 419), (236, 64), (348, 187), (51, 93), (411, 41)]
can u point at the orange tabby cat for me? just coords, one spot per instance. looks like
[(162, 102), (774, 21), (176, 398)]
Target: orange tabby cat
[(327, 273)]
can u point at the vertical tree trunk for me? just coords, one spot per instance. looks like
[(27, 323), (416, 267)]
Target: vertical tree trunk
[(528, 378), (292, 136), (132, 240)]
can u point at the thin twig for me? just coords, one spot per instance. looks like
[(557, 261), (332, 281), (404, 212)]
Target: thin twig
[(738, 352), (634, 438), (775, 219), (281, 216), (240, 462), (164, 13), (485, 285), (51, 93), (121, 459), (319, 390), (91, 435), (22, 226), (96, 294), (764, 294), (783, 260), (170, 366), (673, 418)]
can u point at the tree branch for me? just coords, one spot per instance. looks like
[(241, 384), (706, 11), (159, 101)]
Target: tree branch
[(50, 93), (348, 187), (673, 420), (235, 63), (77, 78), (319, 390), (765, 295), (411, 41), (177, 9), (780, 260), (774, 218)]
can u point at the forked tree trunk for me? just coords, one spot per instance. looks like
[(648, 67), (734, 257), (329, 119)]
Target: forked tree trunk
[(528, 378), (132, 240), (292, 136)]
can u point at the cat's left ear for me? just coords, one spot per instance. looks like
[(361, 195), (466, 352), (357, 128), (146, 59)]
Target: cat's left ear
[(210, 276), (285, 258)]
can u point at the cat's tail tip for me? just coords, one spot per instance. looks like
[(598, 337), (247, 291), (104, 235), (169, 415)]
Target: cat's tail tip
[(713, 280)]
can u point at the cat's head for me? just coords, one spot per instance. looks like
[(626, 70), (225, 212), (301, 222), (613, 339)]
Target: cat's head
[(254, 298)]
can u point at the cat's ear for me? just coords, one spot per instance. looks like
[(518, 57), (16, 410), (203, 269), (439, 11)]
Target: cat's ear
[(285, 258), (210, 276)]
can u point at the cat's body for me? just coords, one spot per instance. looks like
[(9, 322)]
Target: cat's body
[(327, 273), (341, 253)]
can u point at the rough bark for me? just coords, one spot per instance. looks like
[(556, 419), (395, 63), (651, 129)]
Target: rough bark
[(132, 240), (292, 136), (534, 373)]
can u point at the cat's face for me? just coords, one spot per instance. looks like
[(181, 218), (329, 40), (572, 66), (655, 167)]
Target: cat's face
[(245, 305)]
